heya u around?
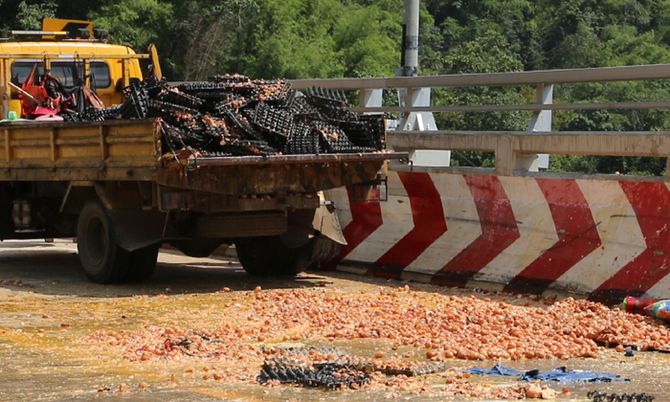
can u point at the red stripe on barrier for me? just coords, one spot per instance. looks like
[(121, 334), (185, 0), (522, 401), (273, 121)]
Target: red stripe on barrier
[(651, 203), (499, 231), (429, 225), (366, 218), (577, 237)]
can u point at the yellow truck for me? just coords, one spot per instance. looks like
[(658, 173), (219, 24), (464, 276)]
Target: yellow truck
[(108, 184)]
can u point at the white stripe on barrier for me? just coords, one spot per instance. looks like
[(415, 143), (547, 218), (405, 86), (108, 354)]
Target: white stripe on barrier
[(536, 229), (463, 225), (397, 222), (619, 231), (661, 289)]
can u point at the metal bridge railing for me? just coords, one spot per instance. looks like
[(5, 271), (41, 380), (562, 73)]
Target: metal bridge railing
[(516, 152), (539, 79)]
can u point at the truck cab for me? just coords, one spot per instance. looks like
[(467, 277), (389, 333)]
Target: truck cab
[(74, 53)]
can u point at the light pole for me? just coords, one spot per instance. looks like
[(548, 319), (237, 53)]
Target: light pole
[(410, 44), (414, 97)]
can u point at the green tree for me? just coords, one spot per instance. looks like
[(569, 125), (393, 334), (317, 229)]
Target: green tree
[(30, 14), (365, 40), (209, 36), (134, 22), (292, 39)]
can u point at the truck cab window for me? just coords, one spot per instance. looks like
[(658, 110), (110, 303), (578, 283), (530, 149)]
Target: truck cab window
[(67, 72)]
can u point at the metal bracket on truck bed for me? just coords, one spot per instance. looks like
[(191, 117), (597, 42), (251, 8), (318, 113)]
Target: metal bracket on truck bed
[(277, 174), (295, 159)]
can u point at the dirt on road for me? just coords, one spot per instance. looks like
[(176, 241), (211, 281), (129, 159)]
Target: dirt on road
[(202, 329)]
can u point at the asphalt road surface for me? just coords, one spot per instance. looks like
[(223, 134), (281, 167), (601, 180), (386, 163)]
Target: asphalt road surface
[(198, 330)]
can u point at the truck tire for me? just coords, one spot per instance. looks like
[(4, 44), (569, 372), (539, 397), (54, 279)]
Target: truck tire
[(103, 260), (143, 263), (269, 256)]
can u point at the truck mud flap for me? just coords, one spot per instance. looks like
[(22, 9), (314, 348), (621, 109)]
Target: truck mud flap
[(137, 229), (327, 223)]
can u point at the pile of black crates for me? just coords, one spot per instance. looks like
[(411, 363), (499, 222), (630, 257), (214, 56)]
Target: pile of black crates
[(233, 115)]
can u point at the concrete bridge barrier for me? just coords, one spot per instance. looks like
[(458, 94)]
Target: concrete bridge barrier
[(513, 225), (602, 237)]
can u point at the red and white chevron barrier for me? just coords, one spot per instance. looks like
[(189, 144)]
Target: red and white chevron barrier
[(602, 237)]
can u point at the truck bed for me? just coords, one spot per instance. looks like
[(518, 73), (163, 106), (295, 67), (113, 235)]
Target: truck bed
[(130, 150)]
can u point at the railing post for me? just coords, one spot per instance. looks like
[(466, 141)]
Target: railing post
[(540, 122), (371, 97), (507, 161), (421, 121)]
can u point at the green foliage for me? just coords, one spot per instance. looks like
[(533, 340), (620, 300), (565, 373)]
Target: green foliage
[(486, 53), (636, 166), (134, 22), (292, 39), (550, 34), (271, 38), (30, 14), (208, 35), (364, 38)]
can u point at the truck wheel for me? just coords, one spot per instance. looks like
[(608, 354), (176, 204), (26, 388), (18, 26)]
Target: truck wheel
[(100, 255), (269, 256), (143, 263)]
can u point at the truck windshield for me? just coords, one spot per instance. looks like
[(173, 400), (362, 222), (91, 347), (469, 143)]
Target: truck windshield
[(67, 72)]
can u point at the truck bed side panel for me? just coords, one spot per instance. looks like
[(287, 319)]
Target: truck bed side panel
[(123, 150), (130, 150)]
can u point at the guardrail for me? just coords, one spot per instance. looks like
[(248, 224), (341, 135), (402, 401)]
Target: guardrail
[(514, 149), (565, 76), (516, 152), (540, 79)]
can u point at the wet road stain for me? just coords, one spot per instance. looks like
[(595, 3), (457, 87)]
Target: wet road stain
[(51, 319)]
